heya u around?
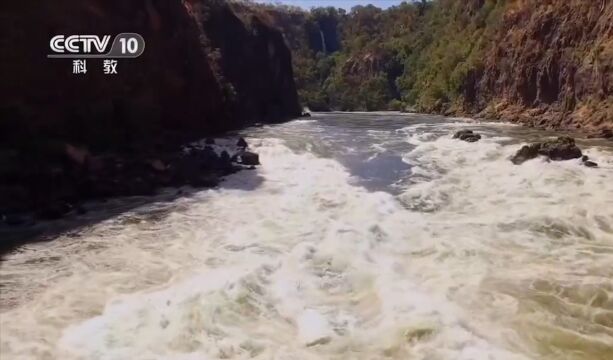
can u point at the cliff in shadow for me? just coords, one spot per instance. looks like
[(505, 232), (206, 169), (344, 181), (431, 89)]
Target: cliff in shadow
[(255, 61), (204, 71)]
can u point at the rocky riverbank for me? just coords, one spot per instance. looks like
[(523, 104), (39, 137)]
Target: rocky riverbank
[(49, 193)]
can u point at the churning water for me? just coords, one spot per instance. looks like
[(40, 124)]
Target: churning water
[(363, 236)]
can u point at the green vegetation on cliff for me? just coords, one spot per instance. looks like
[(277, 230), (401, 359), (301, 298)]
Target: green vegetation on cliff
[(415, 54), (544, 63)]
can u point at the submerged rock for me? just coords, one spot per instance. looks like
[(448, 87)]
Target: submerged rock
[(586, 161), (562, 148), (590, 164), (467, 135)]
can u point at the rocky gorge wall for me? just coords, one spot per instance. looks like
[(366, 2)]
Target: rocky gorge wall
[(550, 65), (541, 63), (204, 71), (184, 80), (255, 62)]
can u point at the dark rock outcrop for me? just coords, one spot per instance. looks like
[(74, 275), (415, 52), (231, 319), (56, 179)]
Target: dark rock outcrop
[(527, 152), (249, 158), (203, 70), (99, 177), (256, 64), (562, 148), (467, 135), (241, 143)]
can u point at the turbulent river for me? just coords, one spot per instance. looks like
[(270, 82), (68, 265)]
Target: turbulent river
[(362, 236)]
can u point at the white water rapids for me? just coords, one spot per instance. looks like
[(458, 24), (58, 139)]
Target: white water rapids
[(360, 237)]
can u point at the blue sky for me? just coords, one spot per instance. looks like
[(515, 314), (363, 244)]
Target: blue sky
[(346, 4)]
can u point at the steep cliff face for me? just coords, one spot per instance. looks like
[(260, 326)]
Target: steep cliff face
[(203, 71), (179, 83), (255, 64), (165, 87), (550, 65)]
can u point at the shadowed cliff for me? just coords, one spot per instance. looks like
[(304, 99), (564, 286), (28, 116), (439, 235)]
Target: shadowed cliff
[(204, 71)]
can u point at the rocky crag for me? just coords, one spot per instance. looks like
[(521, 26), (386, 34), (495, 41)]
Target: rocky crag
[(205, 70)]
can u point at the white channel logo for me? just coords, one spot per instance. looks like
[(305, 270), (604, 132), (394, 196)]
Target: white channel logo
[(79, 44), (125, 45)]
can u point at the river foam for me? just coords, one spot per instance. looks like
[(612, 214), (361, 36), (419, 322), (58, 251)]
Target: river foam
[(474, 259)]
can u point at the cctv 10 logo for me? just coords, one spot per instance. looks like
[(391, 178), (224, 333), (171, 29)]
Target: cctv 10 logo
[(124, 45)]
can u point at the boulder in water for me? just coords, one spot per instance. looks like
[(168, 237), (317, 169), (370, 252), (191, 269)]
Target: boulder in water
[(242, 143), (249, 158), (467, 135), (527, 152), (562, 148), (586, 161)]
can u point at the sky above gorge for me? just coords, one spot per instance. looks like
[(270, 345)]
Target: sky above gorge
[(345, 4)]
